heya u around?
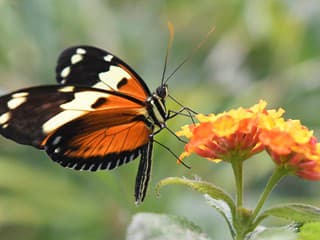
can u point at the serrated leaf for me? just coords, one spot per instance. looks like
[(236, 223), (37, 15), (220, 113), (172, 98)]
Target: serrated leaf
[(151, 226), (293, 212), (309, 231), (202, 187)]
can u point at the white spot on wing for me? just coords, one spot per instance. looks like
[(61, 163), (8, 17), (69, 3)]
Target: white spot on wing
[(84, 100), (83, 167), (60, 119), (65, 72), (16, 102), (57, 150), (5, 125), (91, 167), (66, 89), (73, 166), (113, 76), (19, 94), (76, 58), (108, 166), (56, 140), (108, 58), (80, 51), (99, 166), (4, 118), (118, 163)]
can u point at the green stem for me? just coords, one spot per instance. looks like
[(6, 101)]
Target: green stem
[(237, 171), (276, 176)]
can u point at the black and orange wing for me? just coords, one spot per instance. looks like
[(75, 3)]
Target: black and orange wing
[(80, 128), (97, 68), (99, 140)]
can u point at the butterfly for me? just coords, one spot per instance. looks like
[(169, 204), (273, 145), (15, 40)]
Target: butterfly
[(101, 115)]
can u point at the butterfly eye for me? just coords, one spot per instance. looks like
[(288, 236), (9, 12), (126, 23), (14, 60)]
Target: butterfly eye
[(162, 91)]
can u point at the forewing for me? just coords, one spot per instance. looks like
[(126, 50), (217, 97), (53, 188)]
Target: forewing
[(30, 116), (23, 113), (94, 67)]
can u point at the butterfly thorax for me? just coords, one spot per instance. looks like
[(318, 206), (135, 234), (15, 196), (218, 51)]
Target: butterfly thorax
[(157, 108)]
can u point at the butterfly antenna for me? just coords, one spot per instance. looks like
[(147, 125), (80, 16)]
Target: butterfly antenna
[(193, 51), (171, 32)]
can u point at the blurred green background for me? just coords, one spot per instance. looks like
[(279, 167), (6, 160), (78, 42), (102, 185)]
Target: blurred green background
[(260, 49)]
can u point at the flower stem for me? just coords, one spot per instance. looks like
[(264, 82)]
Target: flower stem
[(276, 176), (237, 167)]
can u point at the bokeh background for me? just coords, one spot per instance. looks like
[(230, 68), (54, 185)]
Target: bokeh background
[(260, 50)]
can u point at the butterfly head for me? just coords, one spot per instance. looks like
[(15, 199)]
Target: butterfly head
[(162, 91)]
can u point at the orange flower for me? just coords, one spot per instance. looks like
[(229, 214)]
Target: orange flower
[(226, 136), (293, 146), (238, 134)]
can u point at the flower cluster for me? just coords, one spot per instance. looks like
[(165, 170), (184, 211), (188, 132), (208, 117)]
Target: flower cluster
[(240, 133)]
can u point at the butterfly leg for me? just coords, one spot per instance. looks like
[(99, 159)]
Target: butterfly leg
[(175, 155), (170, 131), (182, 106), (189, 112), (172, 113)]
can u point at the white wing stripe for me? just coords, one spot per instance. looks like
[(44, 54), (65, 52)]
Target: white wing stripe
[(60, 119), (83, 100), (113, 76)]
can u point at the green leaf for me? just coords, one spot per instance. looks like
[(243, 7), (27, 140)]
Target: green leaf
[(309, 231), (273, 233), (202, 187), (151, 226), (215, 196), (294, 212), (224, 210)]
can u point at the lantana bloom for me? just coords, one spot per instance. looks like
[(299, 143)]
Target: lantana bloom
[(228, 135), (293, 146), (240, 133)]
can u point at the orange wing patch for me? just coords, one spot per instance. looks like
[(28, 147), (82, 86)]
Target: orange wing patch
[(132, 86), (116, 139), (100, 139)]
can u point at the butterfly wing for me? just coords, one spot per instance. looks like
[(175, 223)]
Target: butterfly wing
[(94, 67), (91, 142), (23, 113), (81, 128)]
